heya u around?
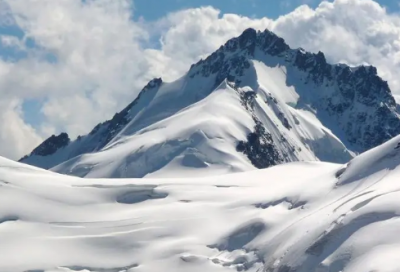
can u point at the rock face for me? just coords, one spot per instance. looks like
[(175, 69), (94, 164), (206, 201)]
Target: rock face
[(260, 148), (51, 145), (301, 107)]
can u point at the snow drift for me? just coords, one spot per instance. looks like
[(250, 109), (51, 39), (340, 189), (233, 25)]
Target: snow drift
[(293, 217)]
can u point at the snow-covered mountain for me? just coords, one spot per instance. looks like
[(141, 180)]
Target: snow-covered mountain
[(253, 103), (295, 217)]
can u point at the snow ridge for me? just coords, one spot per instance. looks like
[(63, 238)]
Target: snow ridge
[(287, 105)]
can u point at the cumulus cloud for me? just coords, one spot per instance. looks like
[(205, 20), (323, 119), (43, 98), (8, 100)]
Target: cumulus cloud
[(15, 135), (350, 31), (191, 34), (87, 59)]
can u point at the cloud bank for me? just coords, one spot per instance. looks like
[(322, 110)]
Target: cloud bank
[(84, 60)]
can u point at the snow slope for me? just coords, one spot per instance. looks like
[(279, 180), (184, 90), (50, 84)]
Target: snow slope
[(201, 140), (253, 103), (293, 217)]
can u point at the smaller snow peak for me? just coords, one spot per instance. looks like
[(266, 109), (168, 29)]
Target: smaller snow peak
[(51, 145), (154, 83), (380, 158)]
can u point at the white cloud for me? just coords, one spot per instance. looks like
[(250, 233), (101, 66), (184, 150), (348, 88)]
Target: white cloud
[(15, 136), (188, 35), (101, 58), (351, 31), (98, 66)]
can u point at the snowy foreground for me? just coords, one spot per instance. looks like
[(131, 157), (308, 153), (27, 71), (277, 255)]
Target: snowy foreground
[(292, 217)]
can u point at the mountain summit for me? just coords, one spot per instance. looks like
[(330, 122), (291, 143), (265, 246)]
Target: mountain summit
[(253, 103)]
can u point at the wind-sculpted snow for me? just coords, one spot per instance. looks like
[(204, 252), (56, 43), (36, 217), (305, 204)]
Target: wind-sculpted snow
[(293, 217)]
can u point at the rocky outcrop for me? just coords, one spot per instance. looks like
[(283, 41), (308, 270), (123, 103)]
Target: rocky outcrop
[(51, 145)]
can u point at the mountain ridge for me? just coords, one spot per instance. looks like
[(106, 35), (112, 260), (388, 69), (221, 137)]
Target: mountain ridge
[(319, 70), (330, 92)]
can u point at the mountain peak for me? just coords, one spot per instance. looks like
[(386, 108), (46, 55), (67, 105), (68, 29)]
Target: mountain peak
[(245, 44), (280, 103), (354, 94)]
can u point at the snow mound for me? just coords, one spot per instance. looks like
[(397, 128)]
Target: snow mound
[(293, 217), (380, 159)]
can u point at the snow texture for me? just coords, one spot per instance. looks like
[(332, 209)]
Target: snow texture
[(297, 216)]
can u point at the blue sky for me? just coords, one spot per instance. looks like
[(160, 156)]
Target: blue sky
[(250, 8), (154, 9)]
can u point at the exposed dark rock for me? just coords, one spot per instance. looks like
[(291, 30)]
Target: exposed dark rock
[(284, 121), (51, 145), (247, 99), (259, 147)]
